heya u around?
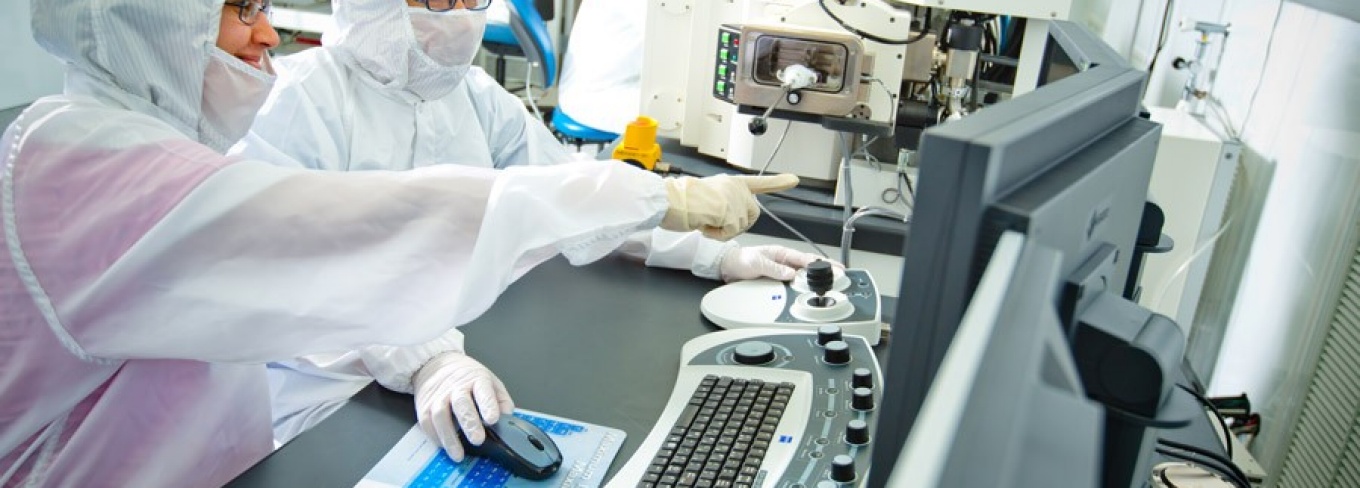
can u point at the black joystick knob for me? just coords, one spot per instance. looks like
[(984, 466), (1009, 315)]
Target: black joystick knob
[(842, 469), (757, 126), (820, 277), (837, 352), (863, 399), (754, 352), (828, 333), (857, 432), (863, 378)]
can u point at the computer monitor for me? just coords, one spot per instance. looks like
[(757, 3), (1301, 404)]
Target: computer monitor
[(1007, 403), (1067, 165)]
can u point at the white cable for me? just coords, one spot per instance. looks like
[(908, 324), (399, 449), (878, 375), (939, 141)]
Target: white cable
[(793, 230), (528, 89), (849, 198), (777, 145)]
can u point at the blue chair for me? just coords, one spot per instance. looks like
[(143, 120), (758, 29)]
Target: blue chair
[(578, 134), (526, 36)]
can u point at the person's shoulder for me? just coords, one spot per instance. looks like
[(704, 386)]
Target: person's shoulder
[(81, 114)]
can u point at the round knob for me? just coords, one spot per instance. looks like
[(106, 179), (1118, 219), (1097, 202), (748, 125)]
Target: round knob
[(754, 352), (857, 432), (828, 333), (863, 378), (837, 352), (820, 277), (843, 468), (863, 399), (757, 126)]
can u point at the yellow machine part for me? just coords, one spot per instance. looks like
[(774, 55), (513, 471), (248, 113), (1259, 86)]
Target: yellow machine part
[(639, 145)]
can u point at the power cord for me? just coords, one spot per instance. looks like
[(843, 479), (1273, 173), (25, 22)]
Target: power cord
[(1227, 433), (1206, 459), (872, 37)]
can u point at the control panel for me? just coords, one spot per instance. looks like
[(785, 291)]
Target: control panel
[(804, 415), (725, 62)]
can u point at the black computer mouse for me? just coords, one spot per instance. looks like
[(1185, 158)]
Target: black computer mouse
[(520, 447)]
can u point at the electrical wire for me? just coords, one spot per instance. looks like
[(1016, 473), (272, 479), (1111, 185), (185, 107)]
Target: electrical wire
[(872, 37), (528, 90), (793, 230), (1219, 471), (1227, 433), (1161, 35), (777, 145), (1218, 461), (849, 188), (1265, 62)]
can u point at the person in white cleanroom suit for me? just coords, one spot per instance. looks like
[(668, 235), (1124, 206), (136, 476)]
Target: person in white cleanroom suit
[(145, 278), (393, 88), (601, 82)]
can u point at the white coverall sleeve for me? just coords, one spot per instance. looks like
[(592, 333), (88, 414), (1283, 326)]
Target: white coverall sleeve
[(177, 252), (678, 250)]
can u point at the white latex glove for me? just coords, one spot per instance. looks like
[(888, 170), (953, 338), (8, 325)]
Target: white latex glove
[(720, 206), (777, 262), (454, 386)]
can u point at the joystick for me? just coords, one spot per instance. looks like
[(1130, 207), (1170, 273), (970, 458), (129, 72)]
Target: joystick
[(819, 279)]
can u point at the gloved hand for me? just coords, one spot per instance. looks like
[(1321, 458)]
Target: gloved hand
[(777, 262), (720, 206), (454, 386)]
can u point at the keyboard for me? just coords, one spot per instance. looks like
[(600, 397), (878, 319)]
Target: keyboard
[(764, 408)]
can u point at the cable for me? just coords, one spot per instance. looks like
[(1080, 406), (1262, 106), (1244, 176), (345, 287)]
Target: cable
[(1219, 471), (849, 189), (1227, 433), (1161, 36), (777, 145), (1221, 464), (1145, 421), (1274, 27), (1185, 266), (871, 37), (793, 230), (804, 201), (528, 90)]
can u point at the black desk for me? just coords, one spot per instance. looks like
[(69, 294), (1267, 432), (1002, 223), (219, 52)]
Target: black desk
[(599, 343)]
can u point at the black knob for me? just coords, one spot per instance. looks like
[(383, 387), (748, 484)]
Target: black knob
[(757, 126), (857, 432), (863, 399), (842, 468), (837, 352), (754, 352), (863, 378), (820, 277), (828, 333)]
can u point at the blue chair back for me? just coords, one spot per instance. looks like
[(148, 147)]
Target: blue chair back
[(529, 33)]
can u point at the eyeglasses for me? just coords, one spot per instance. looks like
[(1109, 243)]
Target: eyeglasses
[(447, 5), (249, 10)]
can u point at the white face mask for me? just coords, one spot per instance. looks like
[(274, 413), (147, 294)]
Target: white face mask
[(233, 92), (449, 38)]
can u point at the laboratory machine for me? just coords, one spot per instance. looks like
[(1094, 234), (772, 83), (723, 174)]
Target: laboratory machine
[(1012, 330)]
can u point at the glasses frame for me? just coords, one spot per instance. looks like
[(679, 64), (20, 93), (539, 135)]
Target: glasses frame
[(258, 6), (481, 5)]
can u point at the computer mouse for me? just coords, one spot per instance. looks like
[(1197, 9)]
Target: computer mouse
[(520, 447)]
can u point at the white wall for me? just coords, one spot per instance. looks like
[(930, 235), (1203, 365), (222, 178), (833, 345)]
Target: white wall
[(1290, 82), (26, 71)]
